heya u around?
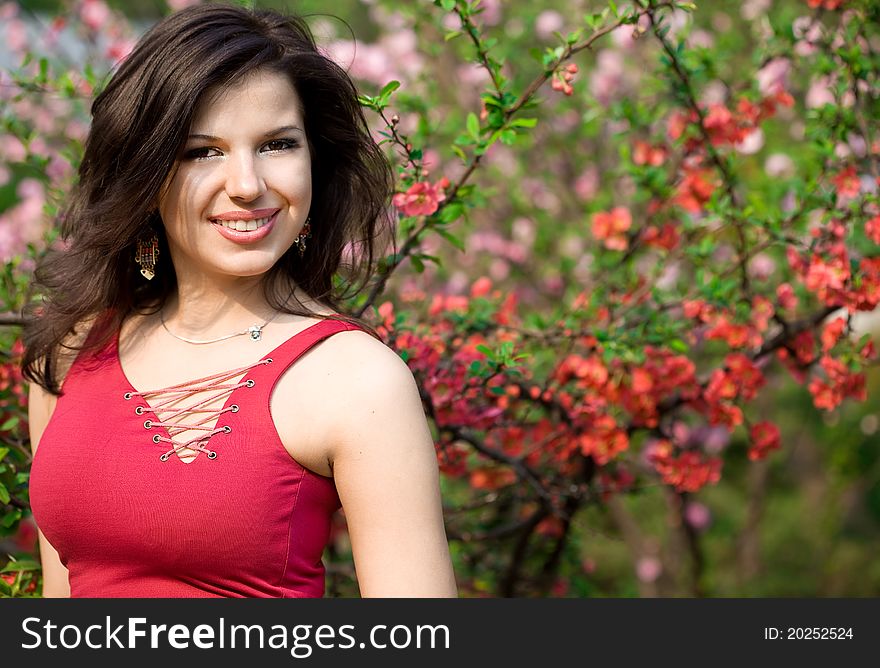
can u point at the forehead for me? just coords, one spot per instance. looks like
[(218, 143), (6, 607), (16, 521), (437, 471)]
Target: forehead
[(262, 95)]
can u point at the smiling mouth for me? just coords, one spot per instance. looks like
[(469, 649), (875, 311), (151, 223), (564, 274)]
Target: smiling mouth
[(243, 225)]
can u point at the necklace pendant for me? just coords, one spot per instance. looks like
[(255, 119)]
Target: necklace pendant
[(255, 332)]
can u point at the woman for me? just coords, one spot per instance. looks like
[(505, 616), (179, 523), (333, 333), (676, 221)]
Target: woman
[(216, 406)]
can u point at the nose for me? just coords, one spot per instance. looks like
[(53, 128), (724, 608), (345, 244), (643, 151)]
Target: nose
[(243, 179)]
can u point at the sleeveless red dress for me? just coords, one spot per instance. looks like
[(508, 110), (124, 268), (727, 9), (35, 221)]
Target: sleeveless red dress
[(129, 518)]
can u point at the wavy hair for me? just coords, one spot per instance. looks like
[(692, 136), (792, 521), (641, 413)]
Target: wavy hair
[(140, 122)]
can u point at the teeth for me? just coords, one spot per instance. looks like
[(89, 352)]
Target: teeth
[(244, 225)]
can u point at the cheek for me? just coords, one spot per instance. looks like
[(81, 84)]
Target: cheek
[(182, 203)]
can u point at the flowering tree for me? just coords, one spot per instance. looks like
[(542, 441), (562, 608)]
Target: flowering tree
[(668, 215)]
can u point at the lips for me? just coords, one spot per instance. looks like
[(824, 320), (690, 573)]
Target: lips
[(245, 227), (245, 215)]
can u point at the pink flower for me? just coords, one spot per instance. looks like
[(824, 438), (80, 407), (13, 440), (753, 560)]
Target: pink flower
[(697, 515), (119, 49), (16, 35), (94, 13), (648, 569), (422, 198), (177, 5), (773, 76), (548, 22)]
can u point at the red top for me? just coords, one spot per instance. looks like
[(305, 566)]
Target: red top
[(129, 518)]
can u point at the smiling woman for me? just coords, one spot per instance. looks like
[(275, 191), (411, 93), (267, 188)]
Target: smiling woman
[(218, 406), (234, 157)]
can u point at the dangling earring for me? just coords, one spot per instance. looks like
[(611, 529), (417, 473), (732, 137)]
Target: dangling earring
[(300, 240), (147, 254)]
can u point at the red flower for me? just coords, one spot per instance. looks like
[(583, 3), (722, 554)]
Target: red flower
[(765, 439), (787, 299), (695, 190), (610, 227), (872, 229), (646, 154), (830, 5), (831, 333), (847, 182), (422, 198), (688, 472)]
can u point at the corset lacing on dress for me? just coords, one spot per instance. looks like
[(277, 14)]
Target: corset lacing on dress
[(216, 387)]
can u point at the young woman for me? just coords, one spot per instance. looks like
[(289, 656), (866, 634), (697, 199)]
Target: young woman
[(199, 406)]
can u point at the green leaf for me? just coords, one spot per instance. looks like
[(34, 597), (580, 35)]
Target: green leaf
[(417, 263), (10, 424), (508, 137), (451, 238), (4, 494), (20, 565), (451, 212), (3, 453), (523, 122), (10, 518), (473, 126), (389, 88), (488, 352), (448, 5)]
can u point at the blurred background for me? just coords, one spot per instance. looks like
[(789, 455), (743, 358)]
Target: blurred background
[(804, 521)]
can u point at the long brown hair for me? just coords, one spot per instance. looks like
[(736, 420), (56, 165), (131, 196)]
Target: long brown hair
[(140, 122)]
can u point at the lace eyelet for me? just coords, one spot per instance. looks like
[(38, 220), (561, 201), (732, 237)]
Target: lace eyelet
[(164, 457), (212, 455), (139, 410), (156, 438), (250, 382), (234, 408), (148, 424), (269, 360), (227, 429), (126, 396)]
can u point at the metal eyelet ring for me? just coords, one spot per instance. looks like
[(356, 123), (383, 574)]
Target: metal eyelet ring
[(234, 408), (148, 424), (269, 360), (156, 438), (126, 396), (139, 410), (164, 457), (212, 455), (250, 383), (227, 429)]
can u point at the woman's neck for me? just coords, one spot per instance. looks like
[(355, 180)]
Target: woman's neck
[(203, 308)]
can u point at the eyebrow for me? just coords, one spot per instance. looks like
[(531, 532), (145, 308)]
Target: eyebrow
[(273, 133)]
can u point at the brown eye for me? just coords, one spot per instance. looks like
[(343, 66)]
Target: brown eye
[(198, 153), (280, 145)]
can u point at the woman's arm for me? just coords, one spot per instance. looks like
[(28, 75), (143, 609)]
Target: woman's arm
[(41, 404), (385, 469)]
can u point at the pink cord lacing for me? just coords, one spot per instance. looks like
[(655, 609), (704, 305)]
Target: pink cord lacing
[(184, 391)]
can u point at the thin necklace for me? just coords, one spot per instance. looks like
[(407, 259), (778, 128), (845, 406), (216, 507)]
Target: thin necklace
[(255, 332)]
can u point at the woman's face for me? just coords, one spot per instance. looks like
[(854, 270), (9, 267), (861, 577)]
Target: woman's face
[(243, 186)]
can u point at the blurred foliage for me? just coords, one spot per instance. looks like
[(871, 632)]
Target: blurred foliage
[(802, 522)]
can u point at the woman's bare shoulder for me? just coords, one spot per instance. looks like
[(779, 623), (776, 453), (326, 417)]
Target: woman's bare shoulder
[(365, 372)]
